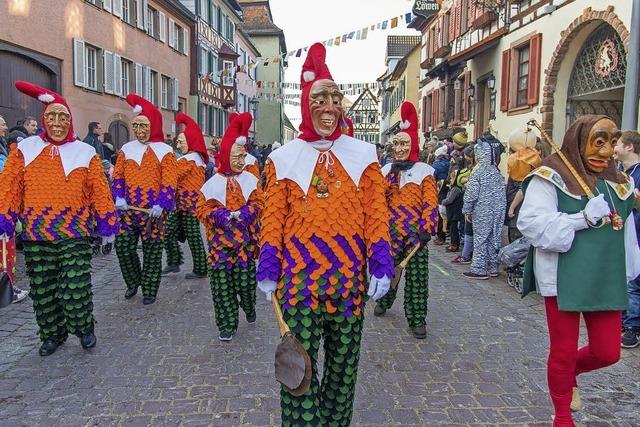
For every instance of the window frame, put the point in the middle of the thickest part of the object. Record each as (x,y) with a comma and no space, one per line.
(153,87)
(165,87)
(95,52)
(522,93)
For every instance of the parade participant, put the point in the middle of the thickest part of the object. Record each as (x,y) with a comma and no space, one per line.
(412,198)
(182,221)
(325,217)
(54,184)
(484,206)
(579,260)
(144,178)
(229,206)
(347,126)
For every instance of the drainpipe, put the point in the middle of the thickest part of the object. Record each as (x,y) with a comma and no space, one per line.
(630,106)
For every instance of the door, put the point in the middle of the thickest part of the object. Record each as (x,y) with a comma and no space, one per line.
(119,132)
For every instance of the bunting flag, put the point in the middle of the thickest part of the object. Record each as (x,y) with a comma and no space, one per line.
(361,34)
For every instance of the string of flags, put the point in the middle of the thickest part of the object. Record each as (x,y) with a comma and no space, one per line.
(356,34)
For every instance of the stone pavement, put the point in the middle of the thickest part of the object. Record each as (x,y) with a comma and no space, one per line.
(483,363)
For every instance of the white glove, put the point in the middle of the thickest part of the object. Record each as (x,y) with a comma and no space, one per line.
(121,204)
(596,209)
(443,211)
(378,287)
(268,287)
(4,237)
(155,211)
(235,215)
(108,239)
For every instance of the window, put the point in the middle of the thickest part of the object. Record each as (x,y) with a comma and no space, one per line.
(151,19)
(126,11)
(522,76)
(164,92)
(228,74)
(153,87)
(125,72)
(91,61)
(219,20)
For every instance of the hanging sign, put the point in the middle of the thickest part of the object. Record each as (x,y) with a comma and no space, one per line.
(426,8)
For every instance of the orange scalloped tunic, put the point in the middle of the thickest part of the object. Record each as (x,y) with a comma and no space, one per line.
(53,206)
(413,210)
(231,242)
(152,182)
(253,169)
(317,248)
(190,181)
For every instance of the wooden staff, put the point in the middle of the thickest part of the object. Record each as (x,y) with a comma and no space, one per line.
(403,264)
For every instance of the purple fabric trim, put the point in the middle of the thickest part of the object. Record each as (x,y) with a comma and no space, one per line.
(269,264)
(221,218)
(166,198)
(8,223)
(380,260)
(118,189)
(433,217)
(103,226)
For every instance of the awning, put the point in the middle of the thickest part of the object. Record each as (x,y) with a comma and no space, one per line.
(483,45)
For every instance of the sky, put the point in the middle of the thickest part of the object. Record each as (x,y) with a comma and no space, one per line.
(358,61)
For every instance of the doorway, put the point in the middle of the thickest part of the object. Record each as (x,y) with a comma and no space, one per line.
(119,131)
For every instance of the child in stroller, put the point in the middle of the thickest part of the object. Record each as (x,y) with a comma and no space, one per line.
(513,257)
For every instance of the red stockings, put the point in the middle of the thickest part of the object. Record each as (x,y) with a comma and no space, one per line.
(566,361)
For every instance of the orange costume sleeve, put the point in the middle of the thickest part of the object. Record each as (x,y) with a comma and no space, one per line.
(119,186)
(11,192)
(104,211)
(273,216)
(429,205)
(168,182)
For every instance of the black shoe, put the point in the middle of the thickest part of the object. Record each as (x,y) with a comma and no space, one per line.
(475,276)
(379,310)
(631,338)
(88,340)
(170,269)
(50,345)
(148,300)
(130,292)
(194,276)
(251,318)
(419,332)
(225,336)
(106,249)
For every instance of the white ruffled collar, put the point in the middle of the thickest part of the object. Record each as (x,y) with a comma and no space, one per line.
(216,186)
(73,155)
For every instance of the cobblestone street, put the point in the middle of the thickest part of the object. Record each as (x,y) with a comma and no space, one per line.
(483,363)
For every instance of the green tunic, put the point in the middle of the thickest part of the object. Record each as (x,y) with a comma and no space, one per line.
(592,274)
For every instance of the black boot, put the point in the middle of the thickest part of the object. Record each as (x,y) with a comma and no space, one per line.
(170,269)
(88,340)
(194,275)
(50,345)
(148,300)
(130,292)
(379,310)
(419,332)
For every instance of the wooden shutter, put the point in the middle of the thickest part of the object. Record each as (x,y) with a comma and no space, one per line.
(172,33)
(535,51)
(465,96)
(471,17)
(139,88)
(185,41)
(504,80)
(162,23)
(79,67)
(424,113)
(117,8)
(108,72)
(140,14)
(117,74)
(175,94)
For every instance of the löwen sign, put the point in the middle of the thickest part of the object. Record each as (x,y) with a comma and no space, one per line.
(426,8)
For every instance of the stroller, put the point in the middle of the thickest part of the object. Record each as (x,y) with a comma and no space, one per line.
(513,257)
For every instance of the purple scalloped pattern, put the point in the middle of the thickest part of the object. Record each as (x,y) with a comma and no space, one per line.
(269,264)
(166,198)
(118,188)
(380,260)
(8,223)
(107,225)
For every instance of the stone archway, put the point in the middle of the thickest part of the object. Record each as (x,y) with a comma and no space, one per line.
(588,16)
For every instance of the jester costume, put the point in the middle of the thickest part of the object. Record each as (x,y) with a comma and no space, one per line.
(252,165)
(412,198)
(325,219)
(584,250)
(55,185)
(229,206)
(144,182)
(182,221)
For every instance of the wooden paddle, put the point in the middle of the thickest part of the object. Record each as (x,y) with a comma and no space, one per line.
(293,365)
(403,264)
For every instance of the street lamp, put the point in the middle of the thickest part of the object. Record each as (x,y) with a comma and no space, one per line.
(491,83)
(471,91)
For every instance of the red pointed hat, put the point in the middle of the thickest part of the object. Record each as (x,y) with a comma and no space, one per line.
(347,126)
(47,97)
(313,69)
(409,125)
(237,133)
(147,109)
(193,133)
